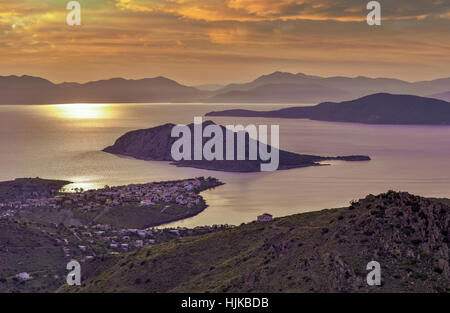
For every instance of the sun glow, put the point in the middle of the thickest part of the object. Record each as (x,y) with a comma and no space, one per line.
(82,110)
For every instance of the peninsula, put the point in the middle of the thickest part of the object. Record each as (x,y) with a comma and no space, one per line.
(134,205)
(381,108)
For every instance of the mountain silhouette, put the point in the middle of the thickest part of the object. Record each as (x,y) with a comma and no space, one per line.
(278,87)
(381,108)
(34,90)
(282,87)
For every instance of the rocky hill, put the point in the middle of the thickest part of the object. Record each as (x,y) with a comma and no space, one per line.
(26,188)
(155,144)
(325,251)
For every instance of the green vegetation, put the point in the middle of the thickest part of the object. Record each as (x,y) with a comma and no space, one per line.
(134,216)
(27,248)
(43,250)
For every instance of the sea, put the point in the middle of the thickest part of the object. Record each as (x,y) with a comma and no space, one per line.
(65,142)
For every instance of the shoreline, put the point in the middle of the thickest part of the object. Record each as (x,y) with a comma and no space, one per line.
(138,206)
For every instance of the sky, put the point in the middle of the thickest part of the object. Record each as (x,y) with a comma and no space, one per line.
(222,41)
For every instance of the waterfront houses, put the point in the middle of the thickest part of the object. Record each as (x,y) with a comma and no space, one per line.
(182,193)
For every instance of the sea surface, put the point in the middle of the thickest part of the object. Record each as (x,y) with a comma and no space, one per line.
(65,142)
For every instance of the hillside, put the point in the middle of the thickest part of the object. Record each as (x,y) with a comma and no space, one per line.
(379,108)
(43,250)
(25,247)
(155,144)
(25,188)
(325,251)
(442,96)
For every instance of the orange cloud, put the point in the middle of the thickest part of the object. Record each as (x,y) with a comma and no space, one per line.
(261,10)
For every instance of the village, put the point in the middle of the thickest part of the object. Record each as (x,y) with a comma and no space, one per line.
(183,193)
(88,239)
(85,243)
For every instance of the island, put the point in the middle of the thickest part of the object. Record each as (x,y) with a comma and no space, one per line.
(380,108)
(154,144)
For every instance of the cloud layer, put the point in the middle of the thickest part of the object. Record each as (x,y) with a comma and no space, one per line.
(199,41)
(259,10)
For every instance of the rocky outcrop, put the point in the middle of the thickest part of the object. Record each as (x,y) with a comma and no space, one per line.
(155,144)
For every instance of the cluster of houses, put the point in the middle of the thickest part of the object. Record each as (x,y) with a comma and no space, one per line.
(183,193)
(6,213)
(90,241)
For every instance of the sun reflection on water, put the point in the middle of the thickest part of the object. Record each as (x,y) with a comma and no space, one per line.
(82,110)
(82,186)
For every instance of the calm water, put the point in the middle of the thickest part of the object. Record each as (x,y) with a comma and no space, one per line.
(65,142)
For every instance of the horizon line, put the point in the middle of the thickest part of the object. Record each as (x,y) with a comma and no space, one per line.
(55,82)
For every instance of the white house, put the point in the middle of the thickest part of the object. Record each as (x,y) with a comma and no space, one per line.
(266,217)
(24,276)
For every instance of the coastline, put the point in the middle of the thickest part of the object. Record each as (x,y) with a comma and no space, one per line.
(134,206)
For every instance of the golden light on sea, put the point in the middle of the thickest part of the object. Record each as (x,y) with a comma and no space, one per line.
(82,110)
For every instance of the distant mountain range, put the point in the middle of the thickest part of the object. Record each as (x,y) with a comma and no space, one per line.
(209,87)
(34,90)
(281,87)
(381,108)
(278,87)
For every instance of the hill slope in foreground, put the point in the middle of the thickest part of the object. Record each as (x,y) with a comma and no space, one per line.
(381,108)
(324,251)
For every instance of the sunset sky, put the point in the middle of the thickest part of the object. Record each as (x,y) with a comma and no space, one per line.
(222,41)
